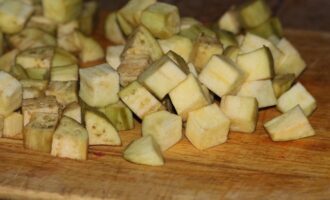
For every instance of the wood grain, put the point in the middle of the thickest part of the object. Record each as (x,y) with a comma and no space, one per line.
(248,166)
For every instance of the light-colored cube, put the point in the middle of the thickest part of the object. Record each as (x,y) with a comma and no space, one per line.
(40,57)
(257,64)
(291,61)
(139,99)
(252,42)
(187,22)
(253,13)
(145,151)
(188,96)
(291,125)
(133,9)
(13,15)
(142,42)
(221,76)
(178,44)
(164,127)
(204,48)
(131,67)
(229,21)
(262,90)
(113,55)
(64,91)
(39,105)
(90,49)
(162,76)
(100,130)
(207,127)
(297,95)
(99,85)
(11,94)
(162,19)
(140,51)
(62,11)
(67,36)
(38,134)
(242,112)
(13,126)
(70,140)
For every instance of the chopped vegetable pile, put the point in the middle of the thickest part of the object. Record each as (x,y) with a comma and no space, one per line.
(168,71)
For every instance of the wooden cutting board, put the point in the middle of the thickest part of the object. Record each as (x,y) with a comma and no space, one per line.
(248,166)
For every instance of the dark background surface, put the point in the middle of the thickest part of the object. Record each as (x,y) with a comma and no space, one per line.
(297,14)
